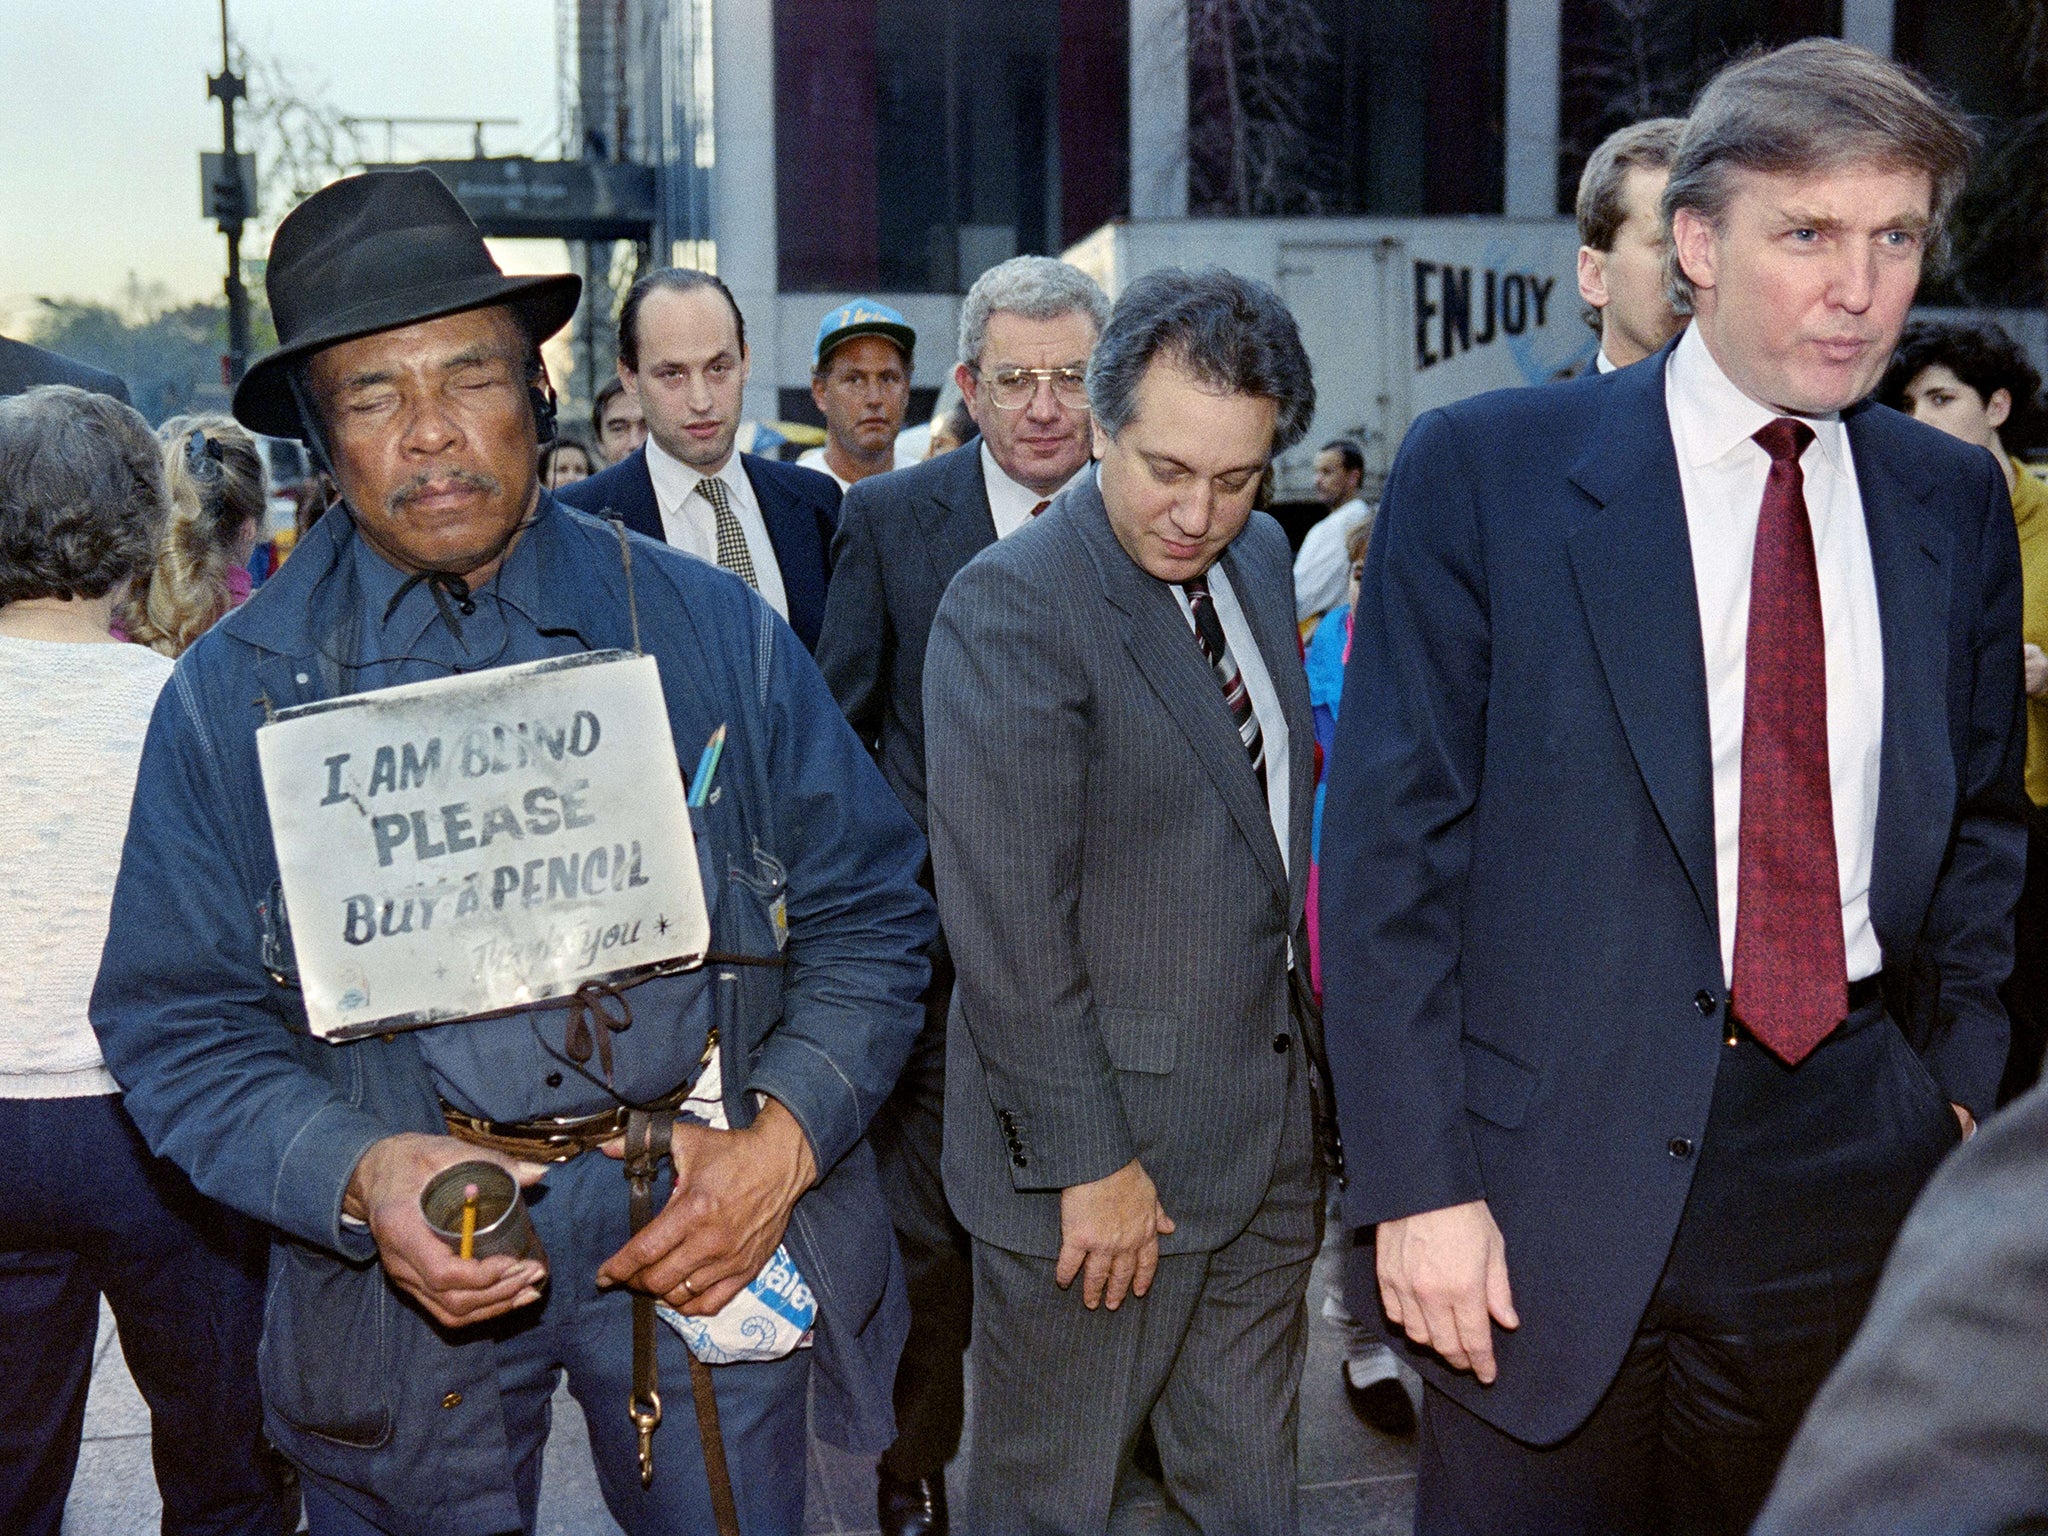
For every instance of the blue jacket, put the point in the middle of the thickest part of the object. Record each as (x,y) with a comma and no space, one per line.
(1524,990)
(800,507)
(223,1078)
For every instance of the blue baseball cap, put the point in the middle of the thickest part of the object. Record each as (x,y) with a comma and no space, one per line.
(863,317)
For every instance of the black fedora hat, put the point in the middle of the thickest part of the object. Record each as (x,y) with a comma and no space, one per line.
(372,253)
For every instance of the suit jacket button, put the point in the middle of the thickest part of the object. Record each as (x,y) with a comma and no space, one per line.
(1280,1043)
(1705,1002)
(1017,1158)
(1679,1146)
(452,1400)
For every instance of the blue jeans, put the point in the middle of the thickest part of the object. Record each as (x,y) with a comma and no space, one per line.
(86,1209)
(580,1212)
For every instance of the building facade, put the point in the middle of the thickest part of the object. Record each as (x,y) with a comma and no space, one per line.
(812,150)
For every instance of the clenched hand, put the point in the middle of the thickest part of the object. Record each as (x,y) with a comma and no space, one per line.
(733,1195)
(385,1192)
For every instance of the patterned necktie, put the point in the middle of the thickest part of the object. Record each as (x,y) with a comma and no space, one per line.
(1041,506)
(732,539)
(1791,972)
(1209,635)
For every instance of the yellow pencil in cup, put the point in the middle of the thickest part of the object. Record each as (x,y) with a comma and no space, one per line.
(468,1250)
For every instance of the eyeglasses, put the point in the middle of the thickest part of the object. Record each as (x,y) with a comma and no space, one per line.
(1014,388)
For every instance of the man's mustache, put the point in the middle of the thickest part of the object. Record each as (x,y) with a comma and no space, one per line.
(436,481)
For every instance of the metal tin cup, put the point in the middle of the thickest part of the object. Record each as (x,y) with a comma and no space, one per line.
(502,1223)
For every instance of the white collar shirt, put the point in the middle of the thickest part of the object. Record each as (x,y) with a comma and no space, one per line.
(1721,472)
(1258,683)
(814,458)
(1602,362)
(1009,503)
(689,523)
(1322,569)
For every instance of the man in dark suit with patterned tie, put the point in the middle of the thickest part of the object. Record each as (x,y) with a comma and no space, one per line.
(1675,808)
(1120,776)
(1027,327)
(683,355)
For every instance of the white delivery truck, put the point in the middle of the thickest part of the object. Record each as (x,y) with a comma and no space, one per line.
(1399,315)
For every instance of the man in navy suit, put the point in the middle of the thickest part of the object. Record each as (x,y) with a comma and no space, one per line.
(683,355)
(1675,810)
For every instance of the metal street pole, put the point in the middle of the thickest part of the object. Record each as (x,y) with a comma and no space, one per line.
(230,88)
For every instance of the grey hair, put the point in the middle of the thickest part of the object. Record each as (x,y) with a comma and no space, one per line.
(1813,106)
(81,494)
(1035,287)
(1233,333)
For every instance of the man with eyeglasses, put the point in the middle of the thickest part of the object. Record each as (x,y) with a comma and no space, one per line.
(1027,329)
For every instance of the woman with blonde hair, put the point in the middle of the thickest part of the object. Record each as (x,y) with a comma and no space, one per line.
(214,475)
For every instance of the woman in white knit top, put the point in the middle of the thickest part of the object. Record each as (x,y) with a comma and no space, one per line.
(86,1209)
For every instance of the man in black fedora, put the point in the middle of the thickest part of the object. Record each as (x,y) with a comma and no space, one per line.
(412,1386)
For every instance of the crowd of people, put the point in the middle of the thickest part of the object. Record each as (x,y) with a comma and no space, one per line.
(1586,879)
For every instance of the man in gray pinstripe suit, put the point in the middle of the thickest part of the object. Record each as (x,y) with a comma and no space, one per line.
(1119,757)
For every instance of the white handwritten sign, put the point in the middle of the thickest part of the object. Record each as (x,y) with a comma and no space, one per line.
(472,843)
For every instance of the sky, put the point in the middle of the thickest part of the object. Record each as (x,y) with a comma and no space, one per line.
(105,112)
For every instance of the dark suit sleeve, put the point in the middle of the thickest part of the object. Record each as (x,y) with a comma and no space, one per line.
(855,640)
(1968,932)
(1933,1423)
(1006,744)
(1404,776)
(859,922)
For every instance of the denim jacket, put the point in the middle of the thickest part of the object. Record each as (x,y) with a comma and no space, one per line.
(224,1079)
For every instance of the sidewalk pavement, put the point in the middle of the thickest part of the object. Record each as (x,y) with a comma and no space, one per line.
(1354,1482)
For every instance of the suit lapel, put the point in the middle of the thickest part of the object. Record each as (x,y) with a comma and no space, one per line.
(1163,646)
(638,504)
(1909,555)
(956,521)
(1632,561)
(799,547)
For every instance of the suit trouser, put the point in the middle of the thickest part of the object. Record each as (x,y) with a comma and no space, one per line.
(2025,993)
(1212,1354)
(1805,1176)
(930,1394)
(86,1209)
(587,1334)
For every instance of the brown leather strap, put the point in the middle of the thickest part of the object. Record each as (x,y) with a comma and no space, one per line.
(647,1142)
(722,1506)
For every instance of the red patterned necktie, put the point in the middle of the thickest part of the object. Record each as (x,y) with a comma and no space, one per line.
(1791,973)
(1216,650)
(1041,506)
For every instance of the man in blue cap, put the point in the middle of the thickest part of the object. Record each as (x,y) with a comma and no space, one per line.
(861,381)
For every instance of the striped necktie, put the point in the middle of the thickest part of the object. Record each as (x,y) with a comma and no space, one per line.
(732,539)
(1209,635)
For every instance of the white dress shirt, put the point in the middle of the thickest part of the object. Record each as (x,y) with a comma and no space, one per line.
(689,523)
(1258,682)
(1321,570)
(1010,503)
(1722,473)
(1602,363)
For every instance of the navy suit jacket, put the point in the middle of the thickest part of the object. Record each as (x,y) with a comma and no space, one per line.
(800,507)
(902,539)
(1521,947)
